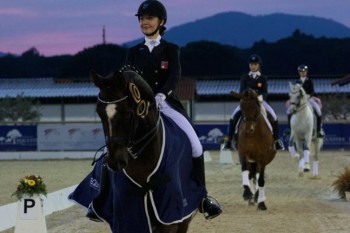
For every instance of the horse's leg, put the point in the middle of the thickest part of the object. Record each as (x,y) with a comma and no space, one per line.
(316,145)
(306,153)
(253,179)
(247,193)
(261,183)
(301,158)
(158,227)
(183,227)
(291,148)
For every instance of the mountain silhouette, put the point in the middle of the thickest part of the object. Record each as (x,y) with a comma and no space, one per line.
(243,30)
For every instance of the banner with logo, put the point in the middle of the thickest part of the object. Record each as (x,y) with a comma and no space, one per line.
(18,138)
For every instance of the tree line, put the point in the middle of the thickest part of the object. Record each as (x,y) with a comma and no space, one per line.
(324,56)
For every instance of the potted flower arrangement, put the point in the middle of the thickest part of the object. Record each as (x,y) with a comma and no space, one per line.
(29,186)
(342,183)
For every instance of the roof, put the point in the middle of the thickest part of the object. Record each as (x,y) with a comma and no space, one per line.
(45,88)
(187,88)
(276,87)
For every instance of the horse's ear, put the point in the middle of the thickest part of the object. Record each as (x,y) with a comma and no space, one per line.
(95,78)
(236,95)
(290,85)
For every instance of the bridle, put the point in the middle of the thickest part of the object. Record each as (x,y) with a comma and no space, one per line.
(134,146)
(254,118)
(298,104)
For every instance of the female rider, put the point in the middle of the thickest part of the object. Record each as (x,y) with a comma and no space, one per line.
(159,63)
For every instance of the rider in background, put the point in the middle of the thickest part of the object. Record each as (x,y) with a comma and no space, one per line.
(308,86)
(258,82)
(159,63)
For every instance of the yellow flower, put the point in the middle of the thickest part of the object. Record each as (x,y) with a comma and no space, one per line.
(31,183)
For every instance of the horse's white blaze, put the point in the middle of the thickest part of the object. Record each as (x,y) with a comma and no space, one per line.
(111,110)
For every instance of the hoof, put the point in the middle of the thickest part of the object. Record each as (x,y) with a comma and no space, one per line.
(247,194)
(306,167)
(261,206)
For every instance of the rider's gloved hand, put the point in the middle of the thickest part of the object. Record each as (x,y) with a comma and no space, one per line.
(160,99)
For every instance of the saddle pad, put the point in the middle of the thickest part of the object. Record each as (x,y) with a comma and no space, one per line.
(175,199)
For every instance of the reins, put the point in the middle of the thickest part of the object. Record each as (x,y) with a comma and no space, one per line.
(253,118)
(299,106)
(132,145)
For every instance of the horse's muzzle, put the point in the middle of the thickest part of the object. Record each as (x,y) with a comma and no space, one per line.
(116,164)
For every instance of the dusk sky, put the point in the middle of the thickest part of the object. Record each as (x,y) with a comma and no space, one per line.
(58,27)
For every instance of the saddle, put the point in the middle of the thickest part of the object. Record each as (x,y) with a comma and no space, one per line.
(264,113)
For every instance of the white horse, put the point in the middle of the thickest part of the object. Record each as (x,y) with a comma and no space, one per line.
(302,130)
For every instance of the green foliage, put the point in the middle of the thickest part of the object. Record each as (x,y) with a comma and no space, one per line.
(206,58)
(18,109)
(30,185)
(327,56)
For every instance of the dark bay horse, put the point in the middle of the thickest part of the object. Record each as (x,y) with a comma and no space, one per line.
(152,187)
(255,146)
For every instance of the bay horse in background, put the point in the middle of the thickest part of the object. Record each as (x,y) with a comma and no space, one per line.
(256,147)
(152,186)
(303,131)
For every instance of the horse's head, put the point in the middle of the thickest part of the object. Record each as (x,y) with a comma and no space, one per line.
(297,96)
(250,108)
(127,109)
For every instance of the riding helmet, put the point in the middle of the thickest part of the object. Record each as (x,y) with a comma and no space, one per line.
(302,68)
(255,58)
(152,8)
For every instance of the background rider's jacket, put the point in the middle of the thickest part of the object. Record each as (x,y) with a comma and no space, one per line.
(308,86)
(259,84)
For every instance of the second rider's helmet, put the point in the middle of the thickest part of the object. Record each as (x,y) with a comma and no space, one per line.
(302,68)
(255,58)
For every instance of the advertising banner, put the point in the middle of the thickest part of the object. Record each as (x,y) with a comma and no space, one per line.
(336,135)
(18,138)
(75,137)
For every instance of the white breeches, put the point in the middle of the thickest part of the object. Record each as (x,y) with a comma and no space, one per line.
(270,110)
(264,104)
(184,124)
(315,106)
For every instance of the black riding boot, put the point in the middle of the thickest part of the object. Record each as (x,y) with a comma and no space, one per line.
(278,142)
(320,134)
(104,191)
(232,137)
(210,209)
(228,143)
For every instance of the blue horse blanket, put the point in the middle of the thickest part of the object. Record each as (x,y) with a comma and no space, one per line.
(126,208)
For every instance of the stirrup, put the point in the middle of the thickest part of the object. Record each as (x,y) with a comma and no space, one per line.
(227,145)
(210,208)
(279,145)
(320,134)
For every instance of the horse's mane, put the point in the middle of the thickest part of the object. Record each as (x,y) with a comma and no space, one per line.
(132,75)
(296,88)
(249,96)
